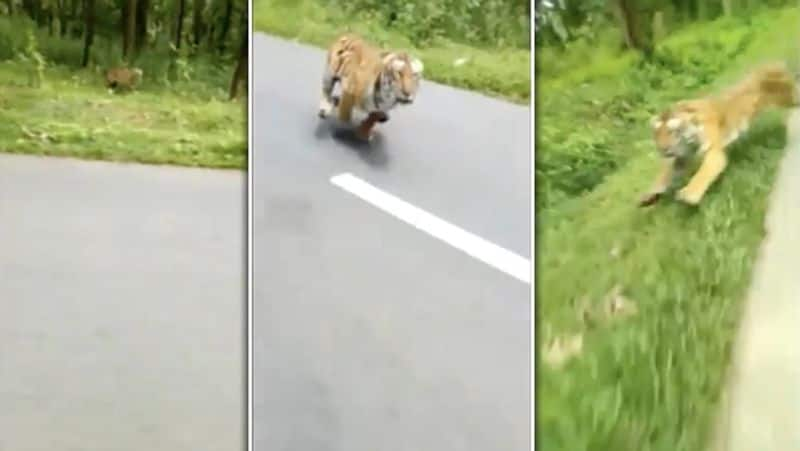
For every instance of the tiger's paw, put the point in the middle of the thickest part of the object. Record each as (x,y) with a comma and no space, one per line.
(325,109)
(688,196)
(364,134)
(649,199)
(380,116)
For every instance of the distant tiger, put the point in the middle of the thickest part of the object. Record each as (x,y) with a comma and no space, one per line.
(122,78)
(371,82)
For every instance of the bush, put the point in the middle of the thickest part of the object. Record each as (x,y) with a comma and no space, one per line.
(495,23)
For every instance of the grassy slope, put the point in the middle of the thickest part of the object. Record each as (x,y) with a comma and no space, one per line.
(499,72)
(649,381)
(73,115)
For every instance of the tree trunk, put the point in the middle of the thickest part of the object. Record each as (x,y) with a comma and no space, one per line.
(123,26)
(631,30)
(627,24)
(27,6)
(63,20)
(727,7)
(37,12)
(129,39)
(702,10)
(142,8)
(658,26)
(226,25)
(179,33)
(88,10)
(240,73)
(197,21)
(212,29)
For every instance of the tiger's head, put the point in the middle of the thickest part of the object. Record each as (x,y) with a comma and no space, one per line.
(402,73)
(676,133)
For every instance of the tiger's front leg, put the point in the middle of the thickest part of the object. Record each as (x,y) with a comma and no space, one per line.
(365,129)
(349,112)
(713,165)
(326,103)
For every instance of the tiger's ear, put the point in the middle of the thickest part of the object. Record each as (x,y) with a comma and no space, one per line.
(398,64)
(416,67)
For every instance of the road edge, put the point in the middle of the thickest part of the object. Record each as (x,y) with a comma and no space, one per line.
(760,403)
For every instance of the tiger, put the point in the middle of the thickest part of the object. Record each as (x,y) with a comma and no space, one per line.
(122,77)
(708,125)
(371,82)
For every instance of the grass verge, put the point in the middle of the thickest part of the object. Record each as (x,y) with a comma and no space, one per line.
(499,72)
(73,115)
(647,301)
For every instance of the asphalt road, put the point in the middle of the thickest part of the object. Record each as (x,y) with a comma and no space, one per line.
(121,307)
(370,334)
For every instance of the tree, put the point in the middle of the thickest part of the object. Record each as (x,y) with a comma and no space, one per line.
(88,8)
(179,32)
(198,25)
(128,28)
(629,24)
(63,17)
(240,73)
(142,7)
(226,24)
(727,7)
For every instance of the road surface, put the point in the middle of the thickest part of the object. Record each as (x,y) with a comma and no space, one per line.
(371,331)
(121,307)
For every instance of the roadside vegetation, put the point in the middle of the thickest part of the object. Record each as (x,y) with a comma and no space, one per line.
(481,45)
(637,308)
(188,109)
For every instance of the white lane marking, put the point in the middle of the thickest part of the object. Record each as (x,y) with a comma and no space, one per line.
(473,245)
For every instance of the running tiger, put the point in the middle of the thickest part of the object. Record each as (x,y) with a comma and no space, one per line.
(122,77)
(371,82)
(712,123)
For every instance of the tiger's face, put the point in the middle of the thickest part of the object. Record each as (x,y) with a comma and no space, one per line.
(402,74)
(675,136)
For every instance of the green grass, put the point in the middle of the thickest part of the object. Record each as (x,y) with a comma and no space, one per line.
(649,379)
(499,72)
(73,115)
